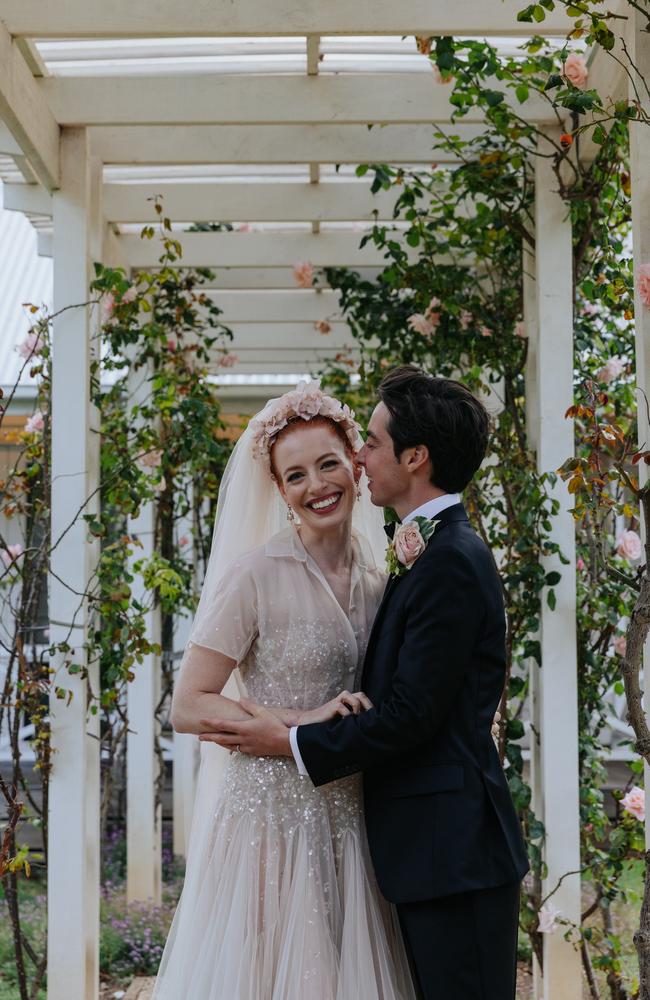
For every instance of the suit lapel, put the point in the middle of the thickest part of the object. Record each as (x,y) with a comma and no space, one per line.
(374,632)
(455,513)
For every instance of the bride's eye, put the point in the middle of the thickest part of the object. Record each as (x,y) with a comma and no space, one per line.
(294,477)
(329,463)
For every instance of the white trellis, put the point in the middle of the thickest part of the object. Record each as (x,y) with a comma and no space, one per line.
(93,122)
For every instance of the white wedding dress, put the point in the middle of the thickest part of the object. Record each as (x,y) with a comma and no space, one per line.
(280,901)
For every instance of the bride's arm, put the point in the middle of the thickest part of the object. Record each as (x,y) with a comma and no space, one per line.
(197,692)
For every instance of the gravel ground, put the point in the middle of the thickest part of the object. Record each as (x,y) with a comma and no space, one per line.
(140,989)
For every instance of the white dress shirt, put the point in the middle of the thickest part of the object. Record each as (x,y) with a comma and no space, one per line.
(430,509)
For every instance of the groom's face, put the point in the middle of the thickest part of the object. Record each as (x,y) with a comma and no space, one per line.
(387,477)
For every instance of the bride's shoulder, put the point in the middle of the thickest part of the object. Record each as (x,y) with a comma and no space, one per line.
(262,558)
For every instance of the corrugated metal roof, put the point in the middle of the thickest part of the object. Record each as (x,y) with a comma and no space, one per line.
(24,277)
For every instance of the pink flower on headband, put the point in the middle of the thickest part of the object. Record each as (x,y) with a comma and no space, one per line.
(304,402)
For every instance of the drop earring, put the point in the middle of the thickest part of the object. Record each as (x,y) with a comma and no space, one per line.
(291,517)
(358,491)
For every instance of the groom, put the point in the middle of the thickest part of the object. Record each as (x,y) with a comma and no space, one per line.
(443,834)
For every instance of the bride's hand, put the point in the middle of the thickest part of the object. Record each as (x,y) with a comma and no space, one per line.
(345,703)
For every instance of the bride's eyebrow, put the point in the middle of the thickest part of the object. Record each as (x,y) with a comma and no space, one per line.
(292,468)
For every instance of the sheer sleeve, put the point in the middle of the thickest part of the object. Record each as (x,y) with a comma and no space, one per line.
(227,618)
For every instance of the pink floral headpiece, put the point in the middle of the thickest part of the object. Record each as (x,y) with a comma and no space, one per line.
(304,402)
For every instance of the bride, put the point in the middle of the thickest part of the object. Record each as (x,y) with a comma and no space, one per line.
(280,900)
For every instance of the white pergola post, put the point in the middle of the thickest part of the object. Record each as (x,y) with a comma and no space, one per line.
(531,321)
(143,813)
(73,835)
(186,745)
(557,691)
(639,48)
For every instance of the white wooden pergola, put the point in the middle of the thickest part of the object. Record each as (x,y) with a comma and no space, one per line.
(256,113)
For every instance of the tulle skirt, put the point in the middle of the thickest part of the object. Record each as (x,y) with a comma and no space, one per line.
(280,900)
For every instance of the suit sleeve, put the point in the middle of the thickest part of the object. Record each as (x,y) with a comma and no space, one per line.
(444,613)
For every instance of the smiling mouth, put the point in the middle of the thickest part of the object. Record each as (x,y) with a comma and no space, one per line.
(325,504)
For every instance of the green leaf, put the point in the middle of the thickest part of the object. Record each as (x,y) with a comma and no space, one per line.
(539,13)
(527,13)
(554,80)
(599,135)
(553,578)
(493,97)
(551,600)
(522,93)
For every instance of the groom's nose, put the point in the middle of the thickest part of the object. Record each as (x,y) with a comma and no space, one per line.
(360,457)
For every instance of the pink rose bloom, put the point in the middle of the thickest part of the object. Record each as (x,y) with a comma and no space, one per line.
(11,553)
(151,460)
(628,545)
(643,283)
(245,227)
(303,273)
(590,309)
(183,541)
(171,344)
(576,71)
(420,324)
(228,360)
(547,917)
(612,368)
(580,565)
(322,326)
(520,330)
(130,295)
(108,308)
(35,424)
(408,543)
(432,313)
(485,331)
(620,645)
(465,318)
(634,803)
(30,346)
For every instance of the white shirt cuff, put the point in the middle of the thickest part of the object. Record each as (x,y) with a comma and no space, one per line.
(293,740)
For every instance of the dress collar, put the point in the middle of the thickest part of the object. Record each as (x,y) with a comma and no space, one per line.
(287,544)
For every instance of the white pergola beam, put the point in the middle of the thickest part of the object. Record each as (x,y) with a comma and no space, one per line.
(199,18)
(293,335)
(255,99)
(297,306)
(29,198)
(279,249)
(235,144)
(26,114)
(282,360)
(207,201)
(264,278)
(250,202)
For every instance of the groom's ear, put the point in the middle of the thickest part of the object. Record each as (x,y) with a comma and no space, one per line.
(417,457)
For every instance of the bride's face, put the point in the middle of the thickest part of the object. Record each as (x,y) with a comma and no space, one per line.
(316,475)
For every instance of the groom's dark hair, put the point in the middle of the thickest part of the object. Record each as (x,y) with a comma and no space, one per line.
(440,414)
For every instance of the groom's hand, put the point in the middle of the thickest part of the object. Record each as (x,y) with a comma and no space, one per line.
(263,735)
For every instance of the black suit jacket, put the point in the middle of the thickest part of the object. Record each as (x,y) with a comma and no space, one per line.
(439,815)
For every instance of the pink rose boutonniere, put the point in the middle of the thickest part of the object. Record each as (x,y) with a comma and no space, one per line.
(408,544)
